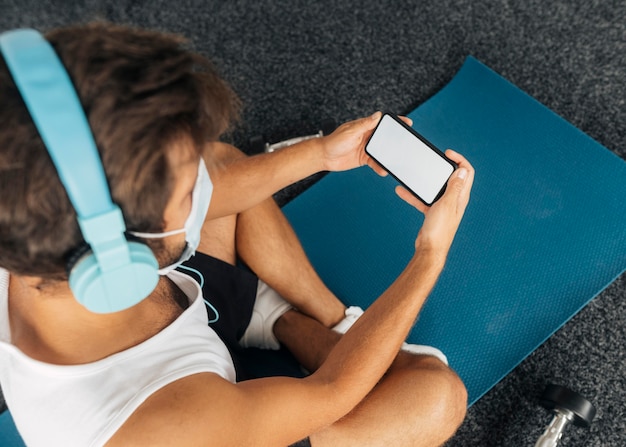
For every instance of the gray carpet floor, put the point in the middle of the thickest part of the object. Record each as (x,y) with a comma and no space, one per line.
(296,63)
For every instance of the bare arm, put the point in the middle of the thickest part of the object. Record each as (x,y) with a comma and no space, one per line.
(246,182)
(204,409)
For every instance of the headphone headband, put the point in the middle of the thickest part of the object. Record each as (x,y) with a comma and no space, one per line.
(55,108)
(57,112)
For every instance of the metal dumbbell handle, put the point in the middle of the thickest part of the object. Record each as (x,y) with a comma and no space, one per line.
(554,431)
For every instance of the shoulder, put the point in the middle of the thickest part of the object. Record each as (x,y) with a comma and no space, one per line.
(219,152)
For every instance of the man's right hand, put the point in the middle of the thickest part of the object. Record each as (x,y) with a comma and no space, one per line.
(442,219)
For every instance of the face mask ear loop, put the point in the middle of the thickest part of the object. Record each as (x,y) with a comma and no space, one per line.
(201,282)
(217,314)
(156,235)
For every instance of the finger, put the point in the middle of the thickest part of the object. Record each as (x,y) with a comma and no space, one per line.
(365,126)
(371,121)
(359,125)
(459,159)
(462,162)
(378,169)
(406,119)
(458,189)
(410,199)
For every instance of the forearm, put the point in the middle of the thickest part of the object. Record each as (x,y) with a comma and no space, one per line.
(247,181)
(366,351)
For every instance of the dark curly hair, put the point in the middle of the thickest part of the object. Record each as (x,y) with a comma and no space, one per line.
(141,91)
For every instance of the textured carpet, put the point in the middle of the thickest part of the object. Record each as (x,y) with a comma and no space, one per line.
(296,63)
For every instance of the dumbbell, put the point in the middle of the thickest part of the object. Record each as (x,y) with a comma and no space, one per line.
(568,407)
(259,144)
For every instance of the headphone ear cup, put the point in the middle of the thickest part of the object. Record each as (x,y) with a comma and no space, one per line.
(76,255)
(116,289)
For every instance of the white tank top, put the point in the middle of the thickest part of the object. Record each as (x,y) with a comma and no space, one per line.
(84,405)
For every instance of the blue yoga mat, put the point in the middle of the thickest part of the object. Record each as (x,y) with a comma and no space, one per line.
(9,437)
(544,233)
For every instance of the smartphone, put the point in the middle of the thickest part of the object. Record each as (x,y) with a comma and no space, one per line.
(410,158)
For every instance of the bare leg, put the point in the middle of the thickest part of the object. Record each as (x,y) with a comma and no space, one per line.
(218,235)
(268,244)
(265,241)
(218,239)
(419,401)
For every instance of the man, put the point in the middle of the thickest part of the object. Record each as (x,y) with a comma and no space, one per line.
(154,373)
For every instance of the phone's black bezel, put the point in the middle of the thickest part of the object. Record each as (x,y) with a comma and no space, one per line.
(423,140)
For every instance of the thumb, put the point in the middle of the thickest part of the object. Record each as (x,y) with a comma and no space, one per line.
(459,176)
(457,186)
(371,121)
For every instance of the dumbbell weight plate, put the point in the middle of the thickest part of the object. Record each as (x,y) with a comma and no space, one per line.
(556,396)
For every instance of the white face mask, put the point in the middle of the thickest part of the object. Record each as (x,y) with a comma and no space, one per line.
(200,200)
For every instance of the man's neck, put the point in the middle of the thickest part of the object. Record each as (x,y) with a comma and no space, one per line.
(49,325)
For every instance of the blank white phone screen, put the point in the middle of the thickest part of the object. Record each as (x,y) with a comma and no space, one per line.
(413,162)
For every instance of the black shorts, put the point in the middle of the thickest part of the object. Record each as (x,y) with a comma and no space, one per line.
(232,291)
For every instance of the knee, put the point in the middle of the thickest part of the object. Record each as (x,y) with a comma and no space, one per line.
(452,403)
(446,397)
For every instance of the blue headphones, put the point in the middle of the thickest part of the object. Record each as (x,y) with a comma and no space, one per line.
(114,274)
